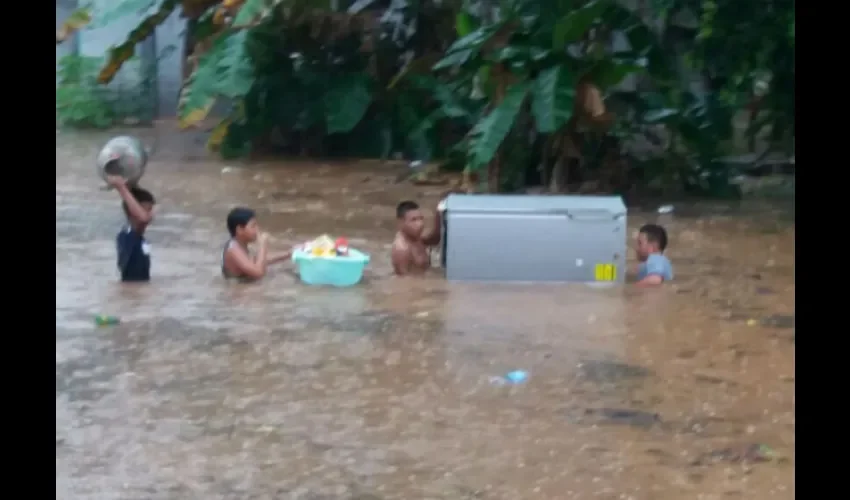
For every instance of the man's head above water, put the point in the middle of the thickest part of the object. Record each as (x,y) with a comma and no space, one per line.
(651,239)
(411,222)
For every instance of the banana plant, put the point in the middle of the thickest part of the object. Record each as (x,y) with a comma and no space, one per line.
(77,20)
(315,74)
(152,12)
(748,51)
(546,59)
(236,61)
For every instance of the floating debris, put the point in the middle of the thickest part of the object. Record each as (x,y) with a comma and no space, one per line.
(513,377)
(103,320)
(779,321)
(517,376)
(614,416)
(750,453)
(600,371)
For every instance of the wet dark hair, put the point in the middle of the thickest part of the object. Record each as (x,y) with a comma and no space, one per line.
(655,234)
(404,207)
(239,217)
(141,196)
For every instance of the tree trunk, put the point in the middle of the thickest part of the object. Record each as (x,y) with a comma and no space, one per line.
(558,183)
(493,173)
(494,167)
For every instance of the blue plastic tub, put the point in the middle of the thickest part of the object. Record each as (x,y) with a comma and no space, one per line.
(335,271)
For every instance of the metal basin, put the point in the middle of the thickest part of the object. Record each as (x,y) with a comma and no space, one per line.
(124,156)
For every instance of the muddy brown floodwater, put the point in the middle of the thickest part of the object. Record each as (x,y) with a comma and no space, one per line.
(209,390)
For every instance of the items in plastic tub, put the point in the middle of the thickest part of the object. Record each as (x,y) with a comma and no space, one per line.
(337,271)
(324,246)
(325,261)
(341,246)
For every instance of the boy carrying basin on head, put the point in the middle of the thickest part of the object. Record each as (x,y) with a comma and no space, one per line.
(236,260)
(134,259)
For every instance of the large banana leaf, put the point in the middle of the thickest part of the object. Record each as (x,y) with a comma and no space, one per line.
(464,49)
(110,12)
(223,71)
(346,102)
(218,134)
(660,115)
(119,54)
(193,9)
(643,42)
(574,25)
(76,21)
(490,131)
(446,95)
(464,24)
(246,13)
(554,93)
(611,71)
(250,10)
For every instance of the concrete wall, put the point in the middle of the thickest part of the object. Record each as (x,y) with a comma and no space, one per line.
(63,10)
(163,51)
(171,39)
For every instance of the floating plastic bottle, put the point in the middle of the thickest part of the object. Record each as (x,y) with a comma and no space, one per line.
(512,377)
(665,215)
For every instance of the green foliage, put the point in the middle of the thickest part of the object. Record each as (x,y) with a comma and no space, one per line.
(82,103)
(300,79)
(528,45)
(488,134)
(554,92)
(464,80)
(119,54)
(79,101)
(346,102)
(76,21)
(107,12)
(573,25)
(751,58)
(223,71)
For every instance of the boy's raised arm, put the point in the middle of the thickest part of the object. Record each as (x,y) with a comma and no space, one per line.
(136,210)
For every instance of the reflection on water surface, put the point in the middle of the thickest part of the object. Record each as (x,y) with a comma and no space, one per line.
(210,390)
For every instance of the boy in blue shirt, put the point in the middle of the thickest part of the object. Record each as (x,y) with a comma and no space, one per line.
(655,268)
(134,259)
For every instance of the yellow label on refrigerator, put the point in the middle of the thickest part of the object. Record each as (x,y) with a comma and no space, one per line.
(605,272)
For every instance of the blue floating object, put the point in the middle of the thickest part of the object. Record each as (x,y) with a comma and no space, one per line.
(338,271)
(517,376)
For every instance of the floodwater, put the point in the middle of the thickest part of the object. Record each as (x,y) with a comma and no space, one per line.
(211,390)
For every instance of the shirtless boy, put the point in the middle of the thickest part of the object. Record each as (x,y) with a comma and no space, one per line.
(236,261)
(411,253)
